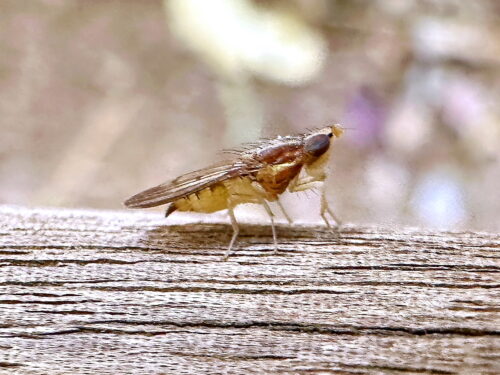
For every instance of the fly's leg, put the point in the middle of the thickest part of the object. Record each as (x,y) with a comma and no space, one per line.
(271,216)
(284,212)
(311,183)
(236,231)
(260,191)
(304,183)
(325,208)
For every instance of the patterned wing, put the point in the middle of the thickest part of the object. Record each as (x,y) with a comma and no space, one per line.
(191,183)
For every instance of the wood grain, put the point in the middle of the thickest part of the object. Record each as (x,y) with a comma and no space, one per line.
(91,292)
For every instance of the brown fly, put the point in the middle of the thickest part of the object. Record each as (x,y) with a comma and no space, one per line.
(256,174)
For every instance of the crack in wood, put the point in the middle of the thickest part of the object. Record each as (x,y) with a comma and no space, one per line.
(44,302)
(283,326)
(194,289)
(419,370)
(10,364)
(258,357)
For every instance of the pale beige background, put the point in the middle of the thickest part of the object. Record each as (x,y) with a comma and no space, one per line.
(99,99)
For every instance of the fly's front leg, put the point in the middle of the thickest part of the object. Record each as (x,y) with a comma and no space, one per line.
(305,183)
(311,182)
(326,208)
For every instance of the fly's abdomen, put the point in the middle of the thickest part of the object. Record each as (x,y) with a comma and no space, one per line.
(210,199)
(231,192)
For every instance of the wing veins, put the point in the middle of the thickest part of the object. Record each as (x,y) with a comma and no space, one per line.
(189,183)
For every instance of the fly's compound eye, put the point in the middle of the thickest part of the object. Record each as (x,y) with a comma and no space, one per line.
(317,145)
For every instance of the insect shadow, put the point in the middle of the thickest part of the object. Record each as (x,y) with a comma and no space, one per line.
(208,239)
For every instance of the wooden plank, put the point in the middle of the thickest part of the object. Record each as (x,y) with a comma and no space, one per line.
(120,292)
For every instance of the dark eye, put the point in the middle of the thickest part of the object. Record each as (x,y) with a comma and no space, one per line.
(317,145)
(330,135)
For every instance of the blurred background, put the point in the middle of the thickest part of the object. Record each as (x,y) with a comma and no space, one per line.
(100,99)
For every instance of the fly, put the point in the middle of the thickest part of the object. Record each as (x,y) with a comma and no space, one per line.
(258,174)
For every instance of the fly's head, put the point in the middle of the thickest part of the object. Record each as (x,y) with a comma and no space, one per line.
(317,143)
(317,147)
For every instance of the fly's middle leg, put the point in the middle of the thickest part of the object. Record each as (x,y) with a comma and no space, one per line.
(287,217)
(271,216)
(260,194)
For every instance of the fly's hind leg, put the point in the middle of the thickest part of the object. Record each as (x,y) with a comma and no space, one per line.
(236,231)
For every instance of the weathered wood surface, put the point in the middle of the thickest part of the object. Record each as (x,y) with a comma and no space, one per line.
(119,292)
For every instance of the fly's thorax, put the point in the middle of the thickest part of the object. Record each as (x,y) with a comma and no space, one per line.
(276,178)
(280,153)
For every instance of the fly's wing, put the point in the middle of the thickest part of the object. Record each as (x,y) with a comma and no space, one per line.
(191,183)
(285,151)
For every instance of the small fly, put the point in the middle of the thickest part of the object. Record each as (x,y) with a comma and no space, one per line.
(259,173)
